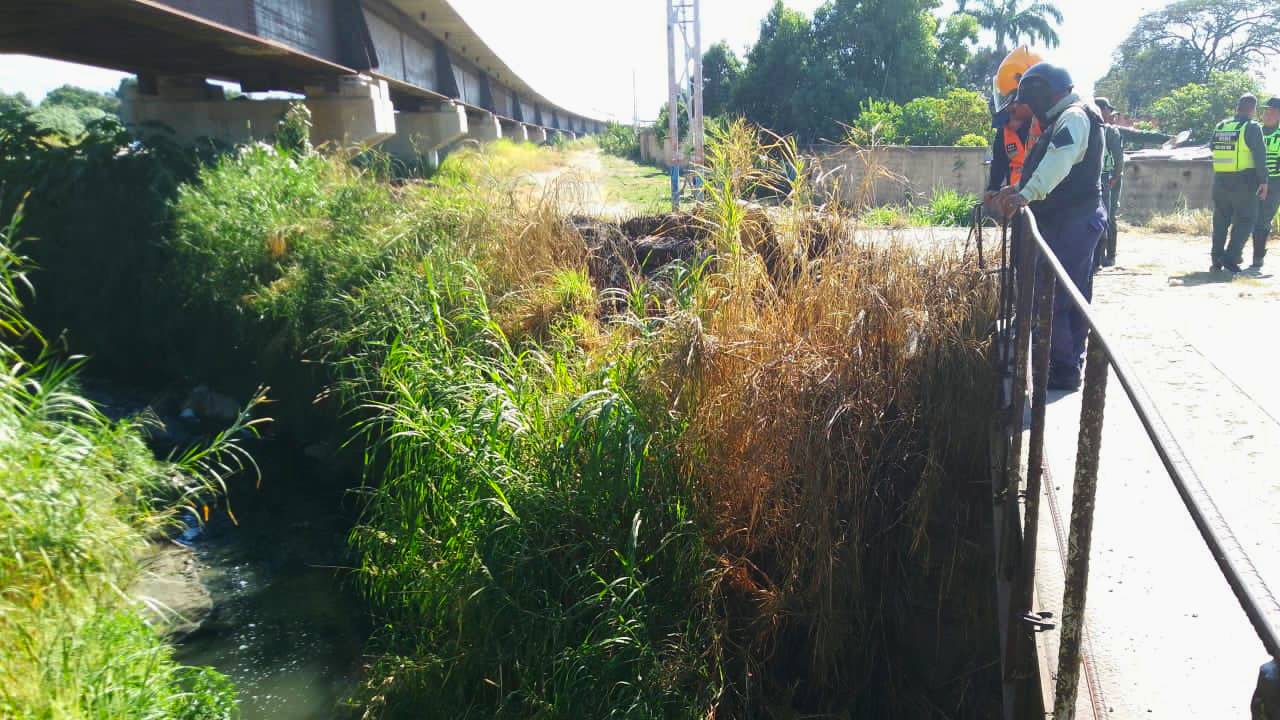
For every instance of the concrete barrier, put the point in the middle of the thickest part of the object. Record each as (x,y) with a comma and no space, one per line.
(1161,185)
(898,175)
(904,175)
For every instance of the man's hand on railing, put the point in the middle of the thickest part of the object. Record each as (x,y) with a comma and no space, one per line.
(1007,202)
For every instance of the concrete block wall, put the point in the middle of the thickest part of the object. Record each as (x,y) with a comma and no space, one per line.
(898,175)
(901,175)
(1161,185)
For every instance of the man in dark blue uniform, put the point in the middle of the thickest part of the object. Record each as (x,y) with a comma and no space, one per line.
(1061,184)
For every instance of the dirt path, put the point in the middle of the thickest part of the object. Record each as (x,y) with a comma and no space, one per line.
(578,185)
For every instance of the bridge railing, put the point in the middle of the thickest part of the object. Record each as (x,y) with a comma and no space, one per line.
(1030,278)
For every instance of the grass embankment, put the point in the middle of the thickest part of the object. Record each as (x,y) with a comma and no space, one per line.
(746,484)
(80,498)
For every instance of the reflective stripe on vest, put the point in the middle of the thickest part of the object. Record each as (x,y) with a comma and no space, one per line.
(1230,154)
(1017,150)
(1273,154)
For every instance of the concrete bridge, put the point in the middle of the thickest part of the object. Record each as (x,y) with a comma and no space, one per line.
(408,73)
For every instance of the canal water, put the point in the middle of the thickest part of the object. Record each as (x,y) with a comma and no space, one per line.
(287,626)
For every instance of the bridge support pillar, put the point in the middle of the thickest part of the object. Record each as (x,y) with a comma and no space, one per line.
(424,133)
(484,127)
(359,112)
(537,134)
(514,131)
(192,108)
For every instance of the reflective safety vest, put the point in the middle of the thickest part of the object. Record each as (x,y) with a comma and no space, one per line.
(1017,150)
(1273,154)
(1230,154)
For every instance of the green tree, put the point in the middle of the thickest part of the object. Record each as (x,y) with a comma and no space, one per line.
(1188,41)
(721,71)
(941,120)
(886,49)
(944,120)
(76,98)
(14,103)
(776,82)
(956,40)
(1012,21)
(1198,107)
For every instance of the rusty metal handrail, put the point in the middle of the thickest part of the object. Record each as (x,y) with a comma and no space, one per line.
(1233,562)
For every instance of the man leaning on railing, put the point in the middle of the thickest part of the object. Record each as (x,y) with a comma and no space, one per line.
(1061,185)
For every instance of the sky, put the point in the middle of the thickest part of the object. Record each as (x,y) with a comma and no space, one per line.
(614,41)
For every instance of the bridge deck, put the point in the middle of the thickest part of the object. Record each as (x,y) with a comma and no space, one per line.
(1166,637)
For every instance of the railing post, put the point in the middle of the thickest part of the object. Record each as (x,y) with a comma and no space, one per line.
(1024,260)
(1092,402)
(1024,583)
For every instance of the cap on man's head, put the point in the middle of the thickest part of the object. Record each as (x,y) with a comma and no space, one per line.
(1104,104)
(1248,100)
(1274,103)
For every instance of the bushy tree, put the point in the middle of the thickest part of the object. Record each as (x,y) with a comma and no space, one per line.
(774,86)
(1198,107)
(1187,42)
(721,71)
(943,120)
(78,98)
(14,103)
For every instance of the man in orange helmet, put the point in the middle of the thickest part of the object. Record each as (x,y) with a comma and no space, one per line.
(1016,128)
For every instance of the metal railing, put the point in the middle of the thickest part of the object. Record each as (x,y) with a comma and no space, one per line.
(1030,278)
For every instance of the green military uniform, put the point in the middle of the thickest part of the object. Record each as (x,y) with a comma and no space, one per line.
(1239,163)
(1112,183)
(1268,207)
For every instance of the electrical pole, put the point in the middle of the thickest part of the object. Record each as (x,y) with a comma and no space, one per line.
(684,78)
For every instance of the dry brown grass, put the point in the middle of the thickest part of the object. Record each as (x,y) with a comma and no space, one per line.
(837,397)
(1182,222)
(839,428)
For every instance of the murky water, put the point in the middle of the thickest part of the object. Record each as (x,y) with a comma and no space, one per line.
(287,626)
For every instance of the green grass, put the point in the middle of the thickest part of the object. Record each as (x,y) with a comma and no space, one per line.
(79,498)
(642,189)
(675,499)
(946,208)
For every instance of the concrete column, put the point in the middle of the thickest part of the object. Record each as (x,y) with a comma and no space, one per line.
(358,113)
(484,127)
(422,134)
(193,109)
(515,132)
(537,134)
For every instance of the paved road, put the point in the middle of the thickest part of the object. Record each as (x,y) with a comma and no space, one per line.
(1168,639)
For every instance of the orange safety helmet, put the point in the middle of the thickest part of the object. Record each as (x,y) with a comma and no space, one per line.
(1005,84)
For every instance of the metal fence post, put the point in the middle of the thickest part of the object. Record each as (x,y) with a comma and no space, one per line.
(1024,584)
(1080,538)
(1024,260)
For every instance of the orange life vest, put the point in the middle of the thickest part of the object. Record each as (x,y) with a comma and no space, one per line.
(1017,150)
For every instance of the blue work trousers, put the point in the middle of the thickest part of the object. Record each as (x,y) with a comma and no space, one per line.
(1073,236)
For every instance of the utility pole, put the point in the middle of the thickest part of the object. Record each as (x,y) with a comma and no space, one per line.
(684,77)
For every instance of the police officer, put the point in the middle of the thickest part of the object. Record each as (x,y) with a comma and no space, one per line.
(1061,184)
(1112,181)
(1268,207)
(1239,183)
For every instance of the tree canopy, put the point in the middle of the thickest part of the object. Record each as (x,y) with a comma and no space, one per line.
(1012,21)
(1188,42)
(1199,106)
(721,72)
(78,98)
